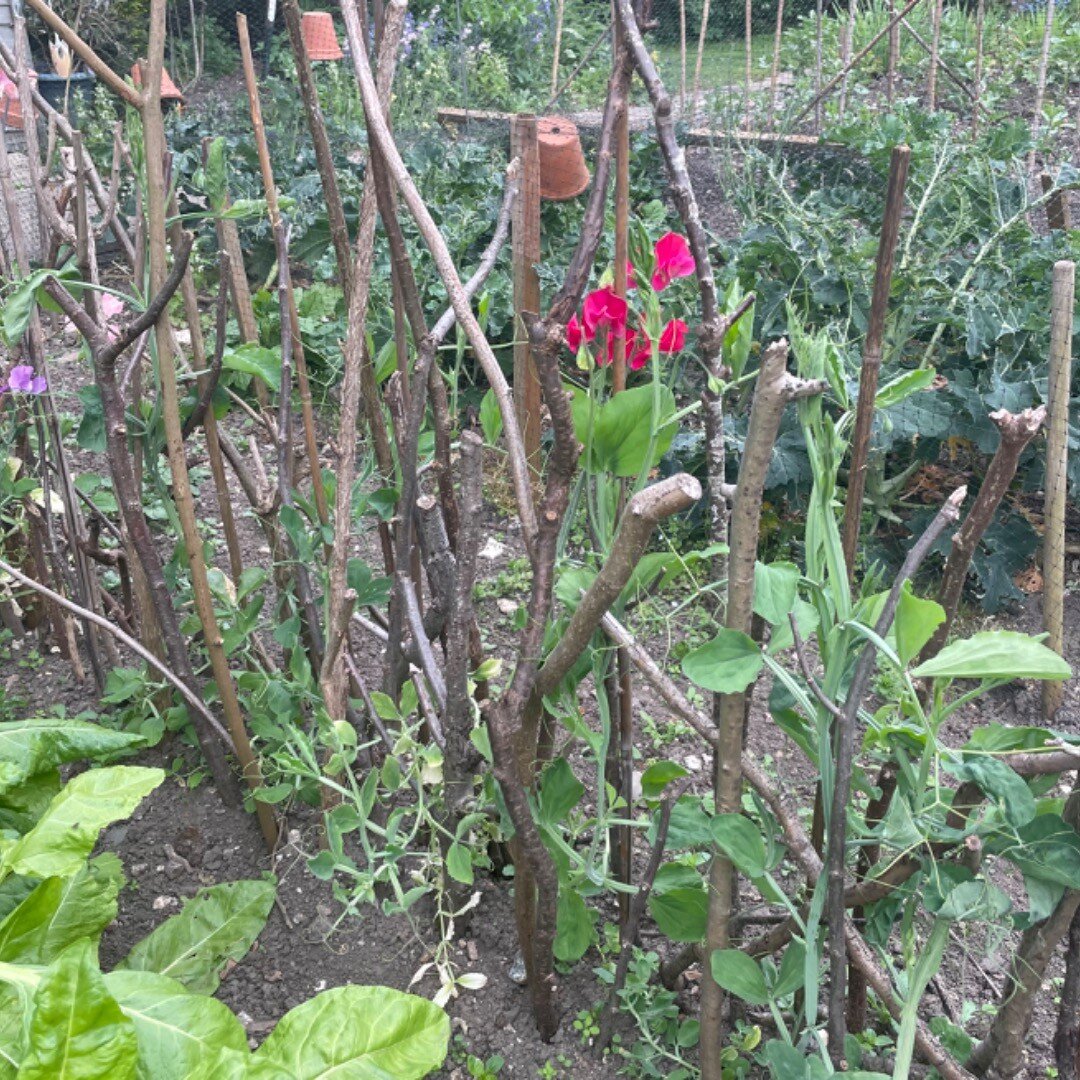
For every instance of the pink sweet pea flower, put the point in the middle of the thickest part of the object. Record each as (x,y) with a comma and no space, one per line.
(576,334)
(22,380)
(638,350)
(631,275)
(673,336)
(111,309)
(603,308)
(673,260)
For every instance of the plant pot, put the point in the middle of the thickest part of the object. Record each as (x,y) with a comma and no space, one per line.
(170,92)
(11,112)
(320,37)
(563,172)
(77,89)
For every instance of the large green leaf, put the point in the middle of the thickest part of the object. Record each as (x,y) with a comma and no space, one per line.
(573,927)
(257,360)
(24,804)
(916,621)
(618,441)
(681,913)
(60,911)
(726,665)
(216,925)
(741,841)
(995,654)
(1000,784)
(60,842)
(560,791)
(738,974)
(36,745)
(359,1032)
(180,1035)
(1048,848)
(775,588)
(77,1031)
(16,1003)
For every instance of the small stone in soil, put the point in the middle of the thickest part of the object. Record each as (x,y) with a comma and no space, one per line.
(162,902)
(693,762)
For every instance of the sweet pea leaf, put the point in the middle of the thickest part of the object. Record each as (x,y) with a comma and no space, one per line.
(1000,784)
(680,914)
(60,842)
(657,777)
(618,441)
(726,665)
(77,1031)
(916,621)
(218,924)
(740,840)
(491,423)
(560,791)
(1047,848)
(775,588)
(740,975)
(995,654)
(363,1032)
(573,927)
(179,1034)
(974,900)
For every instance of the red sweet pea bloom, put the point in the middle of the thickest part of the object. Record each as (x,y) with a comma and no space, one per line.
(603,308)
(638,350)
(576,334)
(673,260)
(673,336)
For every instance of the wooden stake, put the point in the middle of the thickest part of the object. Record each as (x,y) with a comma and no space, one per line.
(559,12)
(935,48)
(1040,82)
(1058,217)
(748,20)
(894,54)
(828,88)
(274,213)
(847,42)
(525,241)
(872,348)
(682,57)
(818,48)
(774,88)
(980,22)
(702,34)
(1057,461)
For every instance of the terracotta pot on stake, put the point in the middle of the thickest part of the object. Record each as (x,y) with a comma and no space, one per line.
(320,37)
(563,172)
(170,92)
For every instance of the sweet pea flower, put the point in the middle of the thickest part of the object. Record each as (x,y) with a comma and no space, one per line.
(111,309)
(576,334)
(673,336)
(22,380)
(638,350)
(673,260)
(603,308)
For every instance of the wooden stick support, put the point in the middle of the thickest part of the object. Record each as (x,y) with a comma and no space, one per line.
(1057,462)
(871,363)
(525,242)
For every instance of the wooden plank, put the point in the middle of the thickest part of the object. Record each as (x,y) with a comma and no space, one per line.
(525,239)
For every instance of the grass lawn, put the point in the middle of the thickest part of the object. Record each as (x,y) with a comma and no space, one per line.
(723,62)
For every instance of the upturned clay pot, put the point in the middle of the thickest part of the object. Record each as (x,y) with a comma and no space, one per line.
(169,90)
(320,38)
(563,172)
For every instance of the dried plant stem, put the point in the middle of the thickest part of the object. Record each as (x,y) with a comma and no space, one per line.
(935,49)
(776,387)
(872,352)
(1062,304)
(1017,430)
(774,84)
(311,444)
(156,150)
(836,855)
(436,244)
